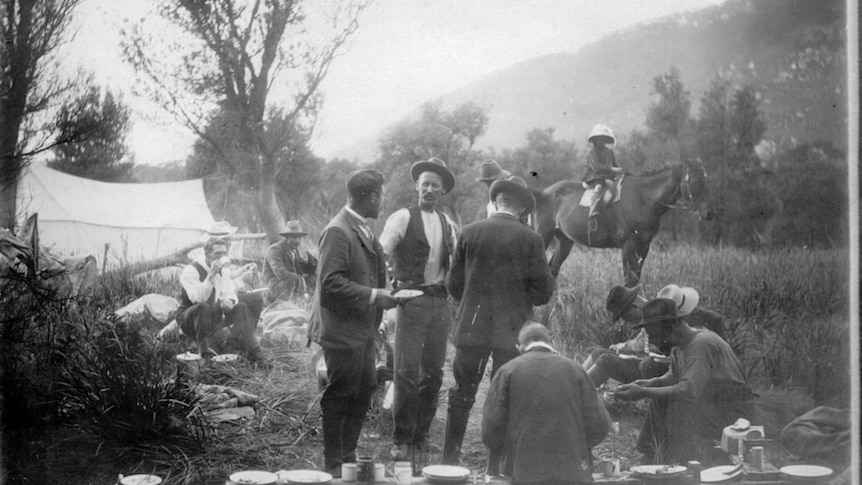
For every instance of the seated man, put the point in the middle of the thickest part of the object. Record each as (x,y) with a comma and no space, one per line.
(630,360)
(542,415)
(703,391)
(284,270)
(209,303)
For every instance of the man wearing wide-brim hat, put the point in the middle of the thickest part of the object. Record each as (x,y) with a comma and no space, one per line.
(418,242)
(704,390)
(498,274)
(489,172)
(285,268)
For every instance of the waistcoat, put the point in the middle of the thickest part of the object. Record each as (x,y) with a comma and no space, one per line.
(411,255)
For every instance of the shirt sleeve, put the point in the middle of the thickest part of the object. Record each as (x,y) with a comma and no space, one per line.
(394,230)
(198,291)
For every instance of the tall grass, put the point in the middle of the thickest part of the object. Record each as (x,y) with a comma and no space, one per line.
(786,311)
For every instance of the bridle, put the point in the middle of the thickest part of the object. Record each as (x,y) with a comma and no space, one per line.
(685,201)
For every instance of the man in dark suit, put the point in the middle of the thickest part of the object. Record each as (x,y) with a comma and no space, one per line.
(499,273)
(349,303)
(284,269)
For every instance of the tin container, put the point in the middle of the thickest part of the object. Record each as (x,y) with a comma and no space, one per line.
(348,472)
(365,470)
(403,472)
(757,458)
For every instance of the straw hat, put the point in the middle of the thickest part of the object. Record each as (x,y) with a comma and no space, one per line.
(221,229)
(686,298)
(294,228)
(516,186)
(437,166)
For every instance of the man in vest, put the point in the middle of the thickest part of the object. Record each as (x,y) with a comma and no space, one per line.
(418,243)
(209,303)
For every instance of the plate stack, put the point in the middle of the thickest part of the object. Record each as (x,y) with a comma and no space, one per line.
(658,472)
(446,473)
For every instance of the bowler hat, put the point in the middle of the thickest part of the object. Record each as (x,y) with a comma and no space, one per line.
(490,171)
(620,298)
(658,310)
(294,228)
(516,186)
(437,166)
(686,298)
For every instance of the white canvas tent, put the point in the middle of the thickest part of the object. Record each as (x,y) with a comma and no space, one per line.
(137,222)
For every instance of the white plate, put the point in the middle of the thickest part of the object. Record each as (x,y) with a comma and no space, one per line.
(445,473)
(141,480)
(628,357)
(225,358)
(254,477)
(188,357)
(806,471)
(305,477)
(718,474)
(404,295)
(658,471)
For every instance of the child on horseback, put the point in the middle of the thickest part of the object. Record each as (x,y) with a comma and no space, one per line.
(601,166)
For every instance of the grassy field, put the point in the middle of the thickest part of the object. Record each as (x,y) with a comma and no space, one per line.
(787,313)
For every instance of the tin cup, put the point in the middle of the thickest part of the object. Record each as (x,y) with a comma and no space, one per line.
(757,458)
(348,472)
(403,472)
(611,467)
(379,473)
(365,470)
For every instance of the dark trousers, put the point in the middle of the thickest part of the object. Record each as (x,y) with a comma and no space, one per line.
(346,399)
(202,321)
(421,332)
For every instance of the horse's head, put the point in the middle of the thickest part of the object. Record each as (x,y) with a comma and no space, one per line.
(695,190)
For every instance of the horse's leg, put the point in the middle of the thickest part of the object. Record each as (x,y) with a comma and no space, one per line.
(632,261)
(560,254)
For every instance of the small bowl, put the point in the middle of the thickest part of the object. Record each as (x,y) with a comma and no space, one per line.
(141,480)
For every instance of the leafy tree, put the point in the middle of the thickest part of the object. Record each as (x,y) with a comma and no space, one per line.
(713,131)
(668,118)
(449,136)
(98,124)
(228,59)
(543,160)
(746,125)
(31,31)
(166,172)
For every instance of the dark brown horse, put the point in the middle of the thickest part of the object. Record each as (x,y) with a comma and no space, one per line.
(629,224)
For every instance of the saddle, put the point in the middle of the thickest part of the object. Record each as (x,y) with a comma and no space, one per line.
(613,190)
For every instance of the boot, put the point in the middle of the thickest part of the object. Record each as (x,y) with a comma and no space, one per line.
(352,432)
(456,426)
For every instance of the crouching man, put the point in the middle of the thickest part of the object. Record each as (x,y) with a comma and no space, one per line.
(542,415)
(209,303)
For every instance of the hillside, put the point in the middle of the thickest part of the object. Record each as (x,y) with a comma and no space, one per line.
(792,51)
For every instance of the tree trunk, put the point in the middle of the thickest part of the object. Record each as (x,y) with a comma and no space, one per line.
(270,214)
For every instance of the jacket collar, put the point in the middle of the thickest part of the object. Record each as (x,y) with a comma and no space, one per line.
(354,220)
(504,215)
(539,346)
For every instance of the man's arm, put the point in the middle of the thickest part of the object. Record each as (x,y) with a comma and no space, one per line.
(495,415)
(597,421)
(338,292)
(455,278)
(540,283)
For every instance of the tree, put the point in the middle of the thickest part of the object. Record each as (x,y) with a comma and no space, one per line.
(746,125)
(98,124)
(668,118)
(543,160)
(713,131)
(229,55)
(449,136)
(31,31)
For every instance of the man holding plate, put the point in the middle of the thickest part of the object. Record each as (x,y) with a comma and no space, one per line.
(418,242)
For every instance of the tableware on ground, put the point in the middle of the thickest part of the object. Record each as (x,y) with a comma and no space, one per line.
(718,474)
(403,472)
(806,471)
(407,295)
(141,480)
(225,358)
(611,467)
(348,472)
(741,424)
(258,290)
(658,471)
(253,477)
(305,477)
(445,473)
(365,469)
(379,472)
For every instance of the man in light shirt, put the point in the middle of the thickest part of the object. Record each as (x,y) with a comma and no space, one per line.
(209,303)
(418,242)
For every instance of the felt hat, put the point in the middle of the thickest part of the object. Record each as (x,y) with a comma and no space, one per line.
(437,166)
(620,298)
(686,298)
(490,171)
(294,228)
(602,131)
(516,186)
(221,229)
(658,310)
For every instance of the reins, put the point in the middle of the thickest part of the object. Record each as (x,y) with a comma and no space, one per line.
(685,201)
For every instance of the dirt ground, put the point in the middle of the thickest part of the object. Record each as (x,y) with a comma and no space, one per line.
(283,434)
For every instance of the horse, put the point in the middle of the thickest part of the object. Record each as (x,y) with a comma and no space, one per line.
(628,224)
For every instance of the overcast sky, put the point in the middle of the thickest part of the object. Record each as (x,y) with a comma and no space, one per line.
(405,53)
